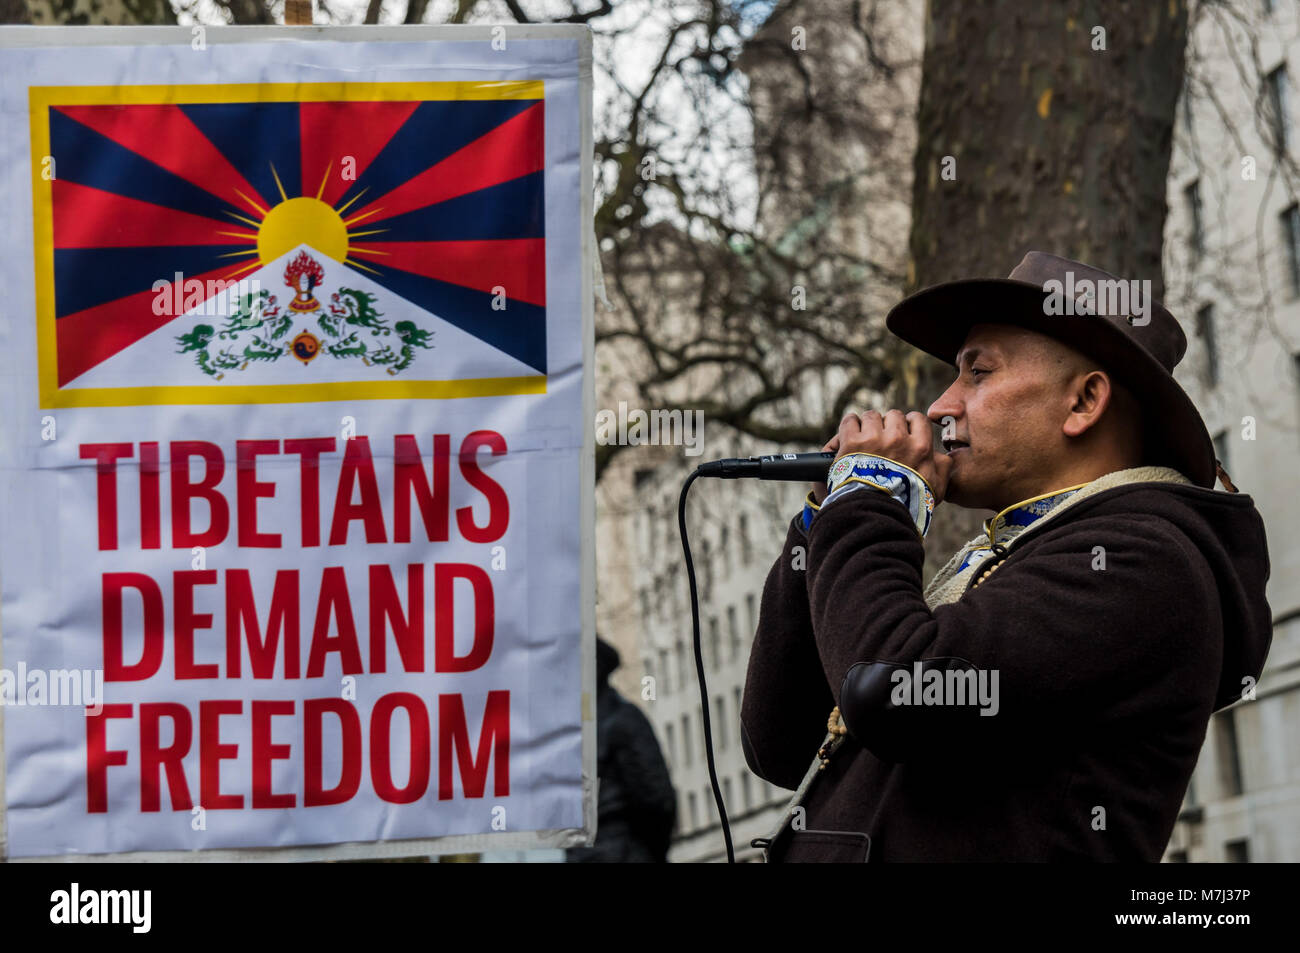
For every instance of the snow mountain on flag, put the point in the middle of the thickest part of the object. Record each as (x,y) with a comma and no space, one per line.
(250,335)
(215,244)
(258,328)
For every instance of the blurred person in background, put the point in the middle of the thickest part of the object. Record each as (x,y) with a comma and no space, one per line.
(636,804)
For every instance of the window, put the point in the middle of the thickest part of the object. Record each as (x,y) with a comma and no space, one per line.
(1205,330)
(672,743)
(1191,812)
(1277,104)
(715,646)
(733,632)
(1178,857)
(1237,851)
(709,814)
(726,792)
(1291,237)
(746,550)
(1225,726)
(1193,196)
(738,706)
(686,740)
(695,810)
(746,793)
(721,709)
(681,664)
(751,614)
(663,671)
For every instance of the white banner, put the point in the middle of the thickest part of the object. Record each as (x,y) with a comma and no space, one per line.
(296,512)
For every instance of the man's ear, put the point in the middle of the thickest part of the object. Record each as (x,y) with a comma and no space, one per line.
(1089,397)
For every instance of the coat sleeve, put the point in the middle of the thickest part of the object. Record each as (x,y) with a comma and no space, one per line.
(1063,642)
(786,699)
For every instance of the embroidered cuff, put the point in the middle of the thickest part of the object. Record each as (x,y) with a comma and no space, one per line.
(810,509)
(853,471)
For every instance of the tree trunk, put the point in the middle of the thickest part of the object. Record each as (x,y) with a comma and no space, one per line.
(1059,120)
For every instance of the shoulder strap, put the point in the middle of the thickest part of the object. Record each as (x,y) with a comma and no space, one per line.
(814,769)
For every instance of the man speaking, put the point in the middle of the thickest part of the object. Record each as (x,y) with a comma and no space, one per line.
(1046,696)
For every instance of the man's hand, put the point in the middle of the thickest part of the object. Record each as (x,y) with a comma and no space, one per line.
(820,489)
(906,439)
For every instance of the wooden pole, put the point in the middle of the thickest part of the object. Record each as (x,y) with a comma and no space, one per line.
(297,12)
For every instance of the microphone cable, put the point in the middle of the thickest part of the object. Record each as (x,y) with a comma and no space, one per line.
(779,466)
(699,667)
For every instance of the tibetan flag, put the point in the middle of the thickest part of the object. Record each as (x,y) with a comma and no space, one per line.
(264,243)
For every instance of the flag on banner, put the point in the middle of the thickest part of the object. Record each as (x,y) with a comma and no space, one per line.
(194,242)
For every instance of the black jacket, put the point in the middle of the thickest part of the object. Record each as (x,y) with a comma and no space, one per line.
(1106,678)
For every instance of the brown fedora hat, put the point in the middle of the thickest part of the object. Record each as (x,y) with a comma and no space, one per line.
(1114,321)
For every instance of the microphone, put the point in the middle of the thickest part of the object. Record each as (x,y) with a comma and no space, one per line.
(796,467)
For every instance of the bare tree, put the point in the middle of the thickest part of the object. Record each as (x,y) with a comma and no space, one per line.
(736,277)
(85,12)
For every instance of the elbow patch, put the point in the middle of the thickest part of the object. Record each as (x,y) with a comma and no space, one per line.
(914,711)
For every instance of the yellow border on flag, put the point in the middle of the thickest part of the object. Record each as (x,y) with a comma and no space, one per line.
(40,98)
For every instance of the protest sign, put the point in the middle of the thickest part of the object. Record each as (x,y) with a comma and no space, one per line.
(297,493)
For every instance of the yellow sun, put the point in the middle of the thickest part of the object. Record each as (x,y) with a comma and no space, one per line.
(302,221)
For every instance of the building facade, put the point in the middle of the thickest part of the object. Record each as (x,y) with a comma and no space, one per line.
(1232,266)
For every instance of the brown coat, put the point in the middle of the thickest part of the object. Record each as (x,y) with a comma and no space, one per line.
(1106,678)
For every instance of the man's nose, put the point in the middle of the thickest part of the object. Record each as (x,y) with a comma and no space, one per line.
(946,406)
